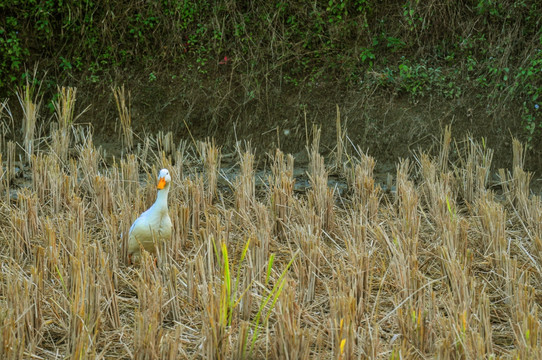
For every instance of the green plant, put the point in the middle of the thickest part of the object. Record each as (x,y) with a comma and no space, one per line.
(411,17)
(527,82)
(12,53)
(367,55)
(337,11)
(268,303)
(394,44)
(65,65)
(418,79)
(529,116)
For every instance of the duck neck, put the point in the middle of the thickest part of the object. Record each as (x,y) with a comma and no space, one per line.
(161,197)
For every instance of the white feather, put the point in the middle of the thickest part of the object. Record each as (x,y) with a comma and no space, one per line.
(153,225)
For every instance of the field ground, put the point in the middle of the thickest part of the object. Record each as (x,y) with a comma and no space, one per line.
(440,259)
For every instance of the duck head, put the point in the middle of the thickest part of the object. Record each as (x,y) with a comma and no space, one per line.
(163,179)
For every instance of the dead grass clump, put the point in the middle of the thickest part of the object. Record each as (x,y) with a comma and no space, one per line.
(320,196)
(30,101)
(281,191)
(367,193)
(292,341)
(473,168)
(61,133)
(125,115)
(210,154)
(149,315)
(245,190)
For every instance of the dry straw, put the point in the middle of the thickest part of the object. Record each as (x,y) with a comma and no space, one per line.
(61,133)
(30,101)
(445,265)
(125,115)
(281,192)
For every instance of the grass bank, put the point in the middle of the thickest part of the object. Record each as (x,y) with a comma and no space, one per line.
(483,50)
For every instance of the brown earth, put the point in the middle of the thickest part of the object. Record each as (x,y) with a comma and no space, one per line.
(386,124)
(379,121)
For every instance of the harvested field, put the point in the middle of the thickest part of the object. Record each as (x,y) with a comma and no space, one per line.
(443,260)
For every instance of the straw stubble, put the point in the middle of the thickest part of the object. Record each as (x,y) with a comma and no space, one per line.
(440,265)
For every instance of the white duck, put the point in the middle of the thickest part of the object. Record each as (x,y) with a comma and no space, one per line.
(153,225)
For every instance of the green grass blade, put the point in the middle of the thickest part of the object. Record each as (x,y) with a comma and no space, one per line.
(269,266)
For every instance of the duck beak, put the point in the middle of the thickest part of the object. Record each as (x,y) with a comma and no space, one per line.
(161,183)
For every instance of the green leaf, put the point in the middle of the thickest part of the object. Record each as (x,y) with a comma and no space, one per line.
(269,266)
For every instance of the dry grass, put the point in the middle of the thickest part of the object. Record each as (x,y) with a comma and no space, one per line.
(30,102)
(125,115)
(446,265)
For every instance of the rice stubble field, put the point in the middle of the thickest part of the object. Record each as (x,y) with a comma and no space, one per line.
(443,260)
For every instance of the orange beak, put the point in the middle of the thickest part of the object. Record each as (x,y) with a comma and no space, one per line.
(161,183)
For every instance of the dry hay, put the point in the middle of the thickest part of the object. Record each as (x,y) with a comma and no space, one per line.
(446,264)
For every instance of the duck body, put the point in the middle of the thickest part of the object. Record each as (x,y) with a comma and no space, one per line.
(152,226)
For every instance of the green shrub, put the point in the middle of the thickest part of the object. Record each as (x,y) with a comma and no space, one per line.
(444,48)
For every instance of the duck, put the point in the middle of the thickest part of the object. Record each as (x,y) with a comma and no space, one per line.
(152,226)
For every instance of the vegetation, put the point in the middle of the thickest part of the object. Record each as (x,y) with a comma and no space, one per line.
(444,261)
(492,49)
